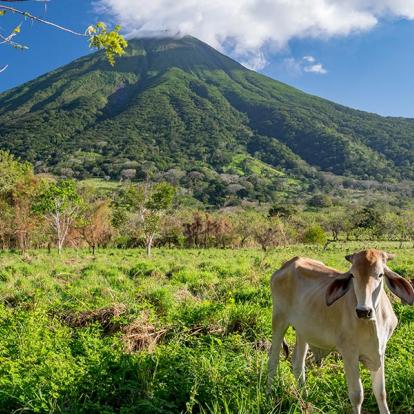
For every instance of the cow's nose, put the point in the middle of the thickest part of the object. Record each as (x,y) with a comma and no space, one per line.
(364,313)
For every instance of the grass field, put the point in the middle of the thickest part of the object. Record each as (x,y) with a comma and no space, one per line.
(186,331)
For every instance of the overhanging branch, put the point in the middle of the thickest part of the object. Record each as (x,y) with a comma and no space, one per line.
(38,19)
(15,1)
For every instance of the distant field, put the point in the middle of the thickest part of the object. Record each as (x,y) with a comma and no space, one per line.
(186,331)
(101,184)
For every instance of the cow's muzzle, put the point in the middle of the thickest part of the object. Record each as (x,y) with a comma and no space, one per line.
(364,312)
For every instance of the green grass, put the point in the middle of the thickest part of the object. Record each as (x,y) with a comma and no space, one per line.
(186,331)
(100,184)
(243,164)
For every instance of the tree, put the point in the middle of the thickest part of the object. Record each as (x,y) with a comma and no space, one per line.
(148,205)
(128,174)
(60,205)
(95,225)
(398,226)
(245,226)
(98,35)
(209,230)
(337,222)
(369,219)
(12,171)
(17,189)
(22,201)
(314,235)
(320,201)
(158,202)
(407,218)
(171,231)
(193,231)
(269,232)
(6,224)
(283,210)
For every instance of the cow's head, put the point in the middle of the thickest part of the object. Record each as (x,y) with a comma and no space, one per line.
(369,269)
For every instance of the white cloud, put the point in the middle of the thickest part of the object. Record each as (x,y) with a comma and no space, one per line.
(254,60)
(317,68)
(244,27)
(309,59)
(308,64)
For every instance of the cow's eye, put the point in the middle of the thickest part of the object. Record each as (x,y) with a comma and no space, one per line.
(351,275)
(381,275)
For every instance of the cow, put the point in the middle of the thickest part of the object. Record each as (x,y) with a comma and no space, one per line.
(348,312)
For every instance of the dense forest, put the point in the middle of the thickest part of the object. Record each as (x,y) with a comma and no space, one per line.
(177,110)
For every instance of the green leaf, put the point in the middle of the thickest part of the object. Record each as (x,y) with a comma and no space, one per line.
(112,42)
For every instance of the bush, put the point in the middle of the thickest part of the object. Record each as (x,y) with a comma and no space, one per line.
(315,235)
(320,201)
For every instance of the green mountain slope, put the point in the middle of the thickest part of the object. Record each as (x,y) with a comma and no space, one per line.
(179,106)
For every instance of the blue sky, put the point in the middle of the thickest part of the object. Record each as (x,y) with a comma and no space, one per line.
(370,69)
(373,71)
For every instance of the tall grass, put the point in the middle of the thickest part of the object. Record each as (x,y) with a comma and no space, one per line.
(186,331)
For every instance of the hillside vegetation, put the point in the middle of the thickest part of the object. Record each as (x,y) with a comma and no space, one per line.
(183,332)
(177,109)
(40,211)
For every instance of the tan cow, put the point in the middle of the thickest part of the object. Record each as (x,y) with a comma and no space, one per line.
(348,312)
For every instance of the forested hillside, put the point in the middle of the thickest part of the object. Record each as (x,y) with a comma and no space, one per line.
(178,110)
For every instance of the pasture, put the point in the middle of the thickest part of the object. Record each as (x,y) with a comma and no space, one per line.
(186,331)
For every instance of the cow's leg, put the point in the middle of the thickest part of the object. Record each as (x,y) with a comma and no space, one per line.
(355,390)
(279,327)
(378,386)
(301,349)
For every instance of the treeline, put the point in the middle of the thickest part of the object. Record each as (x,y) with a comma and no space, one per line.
(41,212)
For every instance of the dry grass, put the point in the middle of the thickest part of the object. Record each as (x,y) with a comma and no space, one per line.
(141,335)
(106,317)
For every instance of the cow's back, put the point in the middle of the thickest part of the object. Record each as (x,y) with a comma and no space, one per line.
(301,272)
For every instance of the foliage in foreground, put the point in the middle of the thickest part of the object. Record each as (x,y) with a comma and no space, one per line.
(98,35)
(186,331)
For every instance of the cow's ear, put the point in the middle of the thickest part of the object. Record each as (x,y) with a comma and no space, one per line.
(349,257)
(399,286)
(388,256)
(337,289)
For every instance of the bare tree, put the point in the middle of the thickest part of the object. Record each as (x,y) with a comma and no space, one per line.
(147,205)
(60,205)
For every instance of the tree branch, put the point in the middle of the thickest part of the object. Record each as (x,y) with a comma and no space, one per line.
(10,42)
(38,19)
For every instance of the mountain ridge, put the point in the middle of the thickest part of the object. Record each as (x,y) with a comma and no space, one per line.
(179,103)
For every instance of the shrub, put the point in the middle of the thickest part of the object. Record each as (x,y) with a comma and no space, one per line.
(315,235)
(320,201)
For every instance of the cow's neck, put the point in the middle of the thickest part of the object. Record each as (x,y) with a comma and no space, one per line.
(376,331)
